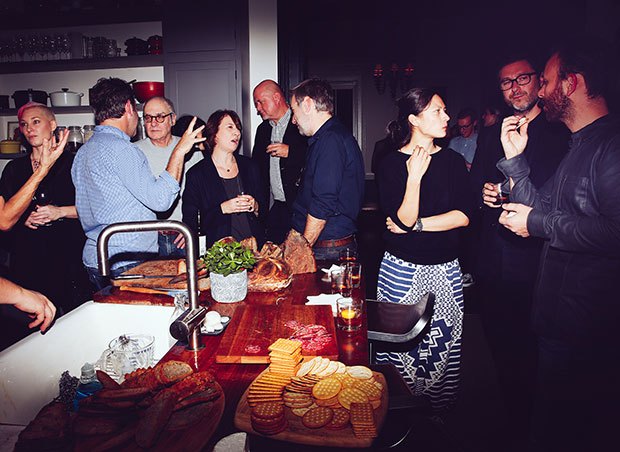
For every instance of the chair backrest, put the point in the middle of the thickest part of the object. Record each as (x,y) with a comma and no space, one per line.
(396,322)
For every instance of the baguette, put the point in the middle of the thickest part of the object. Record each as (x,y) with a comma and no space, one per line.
(154,420)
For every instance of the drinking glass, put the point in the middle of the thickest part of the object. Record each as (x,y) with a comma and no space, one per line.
(356,273)
(348,255)
(341,281)
(349,314)
(503,194)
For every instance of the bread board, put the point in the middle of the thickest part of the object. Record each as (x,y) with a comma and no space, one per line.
(260,325)
(167,268)
(297,432)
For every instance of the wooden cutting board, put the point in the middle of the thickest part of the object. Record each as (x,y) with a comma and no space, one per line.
(262,325)
(297,432)
(154,268)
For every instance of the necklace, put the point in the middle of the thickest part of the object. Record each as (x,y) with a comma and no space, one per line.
(35,163)
(222,167)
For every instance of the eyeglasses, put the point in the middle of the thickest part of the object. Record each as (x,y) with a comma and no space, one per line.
(158,118)
(466,126)
(522,79)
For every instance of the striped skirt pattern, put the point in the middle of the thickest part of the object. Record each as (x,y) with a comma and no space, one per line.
(433,368)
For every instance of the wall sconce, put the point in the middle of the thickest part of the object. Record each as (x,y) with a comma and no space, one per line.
(398,80)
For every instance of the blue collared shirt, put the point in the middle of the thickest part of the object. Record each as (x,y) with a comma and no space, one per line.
(114,183)
(333,183)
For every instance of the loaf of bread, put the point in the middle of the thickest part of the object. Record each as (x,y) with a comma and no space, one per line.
(298,253)
(269,275)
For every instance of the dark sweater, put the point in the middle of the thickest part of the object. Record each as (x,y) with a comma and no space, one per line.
(443,189)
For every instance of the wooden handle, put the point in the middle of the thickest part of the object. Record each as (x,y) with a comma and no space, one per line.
(143,290)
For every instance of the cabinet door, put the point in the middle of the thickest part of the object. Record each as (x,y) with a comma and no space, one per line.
(199,88)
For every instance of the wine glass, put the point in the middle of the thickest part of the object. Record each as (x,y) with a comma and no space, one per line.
(42,198)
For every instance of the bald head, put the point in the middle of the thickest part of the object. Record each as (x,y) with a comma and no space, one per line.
(269,100)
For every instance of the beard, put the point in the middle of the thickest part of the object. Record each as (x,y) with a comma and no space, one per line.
(530,102)
(556,106)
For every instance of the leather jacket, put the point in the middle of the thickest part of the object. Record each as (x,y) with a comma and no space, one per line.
(578,214)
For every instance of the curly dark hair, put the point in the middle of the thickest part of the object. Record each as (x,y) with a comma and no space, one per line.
(213,123)
(108,98)
(413,102)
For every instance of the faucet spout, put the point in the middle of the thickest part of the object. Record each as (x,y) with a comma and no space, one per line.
(191,256)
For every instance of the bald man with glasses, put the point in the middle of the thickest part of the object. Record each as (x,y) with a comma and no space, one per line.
(159,118)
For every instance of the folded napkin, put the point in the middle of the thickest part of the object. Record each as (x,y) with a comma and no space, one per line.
(324,299)
(333,267)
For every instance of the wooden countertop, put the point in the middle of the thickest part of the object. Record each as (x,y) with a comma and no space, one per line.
(235,378)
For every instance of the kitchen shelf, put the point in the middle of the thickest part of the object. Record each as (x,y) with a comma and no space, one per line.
(57,110)
(82,64)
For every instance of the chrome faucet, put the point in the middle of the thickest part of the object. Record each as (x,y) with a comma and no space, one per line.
(190,258)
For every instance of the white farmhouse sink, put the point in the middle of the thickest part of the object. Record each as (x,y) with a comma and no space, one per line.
(31,368)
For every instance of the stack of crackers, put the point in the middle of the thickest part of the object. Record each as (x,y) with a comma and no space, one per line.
(268,418)
(285,357)
(363,420)
(267,388)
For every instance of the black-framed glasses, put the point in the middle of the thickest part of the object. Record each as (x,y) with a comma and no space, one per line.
(158,118)
(466,126)
(522,79)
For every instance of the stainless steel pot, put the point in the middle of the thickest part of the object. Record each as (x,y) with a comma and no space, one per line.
(66,98)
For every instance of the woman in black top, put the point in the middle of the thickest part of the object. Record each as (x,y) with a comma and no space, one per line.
(46,243)
(223,188)
(423,192)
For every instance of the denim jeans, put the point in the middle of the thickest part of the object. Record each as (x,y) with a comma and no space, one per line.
(167,247)
(332,254)
(100,282)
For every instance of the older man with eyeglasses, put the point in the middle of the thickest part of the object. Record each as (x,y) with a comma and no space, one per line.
(505,265)
(159,118)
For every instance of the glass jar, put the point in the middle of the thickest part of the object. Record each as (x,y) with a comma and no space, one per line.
(76,139)
(89,130)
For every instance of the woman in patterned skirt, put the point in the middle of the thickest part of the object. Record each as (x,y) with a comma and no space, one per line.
(422,190)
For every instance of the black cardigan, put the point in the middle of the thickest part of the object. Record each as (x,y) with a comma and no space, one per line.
(204,192)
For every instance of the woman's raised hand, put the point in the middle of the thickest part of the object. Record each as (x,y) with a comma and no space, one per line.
(418,163)
(238,204)
(52,150)
(191,137)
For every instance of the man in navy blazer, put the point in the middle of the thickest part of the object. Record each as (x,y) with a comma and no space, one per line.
(280,153)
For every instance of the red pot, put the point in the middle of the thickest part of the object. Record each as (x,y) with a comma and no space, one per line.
(145,90)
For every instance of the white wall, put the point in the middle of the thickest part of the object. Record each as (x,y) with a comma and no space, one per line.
(263,55)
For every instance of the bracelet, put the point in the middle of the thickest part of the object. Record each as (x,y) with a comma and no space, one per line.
(417,227)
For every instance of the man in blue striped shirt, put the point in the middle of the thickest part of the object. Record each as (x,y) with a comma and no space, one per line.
(114,183)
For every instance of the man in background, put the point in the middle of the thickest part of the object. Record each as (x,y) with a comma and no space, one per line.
(332,189)
(465,143)
(159,118)
(280,152)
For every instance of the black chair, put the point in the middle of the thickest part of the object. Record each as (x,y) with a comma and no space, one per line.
(396,327)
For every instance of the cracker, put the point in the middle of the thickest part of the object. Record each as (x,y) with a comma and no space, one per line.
(329,370)
(301,411)
(340,419)
(368,388)
(361,372)
(267,410)
(317,417)
(285,346)
(326,389)
(349,395)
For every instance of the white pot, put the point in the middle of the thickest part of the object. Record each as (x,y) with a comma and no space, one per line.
(66,98)
(229,289)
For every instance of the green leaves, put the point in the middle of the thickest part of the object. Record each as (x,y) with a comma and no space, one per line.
(228,258)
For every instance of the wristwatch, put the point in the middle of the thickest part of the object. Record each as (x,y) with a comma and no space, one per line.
(417,227)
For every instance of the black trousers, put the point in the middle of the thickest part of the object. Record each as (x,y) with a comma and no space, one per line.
(278,222)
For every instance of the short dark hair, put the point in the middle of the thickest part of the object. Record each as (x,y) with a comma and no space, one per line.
(589,56)
(466,113)
(213,123)
(183,122)
(108,98)
(320,91)
(513,55)
(413,102)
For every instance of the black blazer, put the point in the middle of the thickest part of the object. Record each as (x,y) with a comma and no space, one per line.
(290,167)
(204,192)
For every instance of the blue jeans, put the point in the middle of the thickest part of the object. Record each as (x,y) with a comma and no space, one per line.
(100,282)
(167,247)
(333,254)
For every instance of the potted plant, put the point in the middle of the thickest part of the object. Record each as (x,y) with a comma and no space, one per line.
(227,263)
